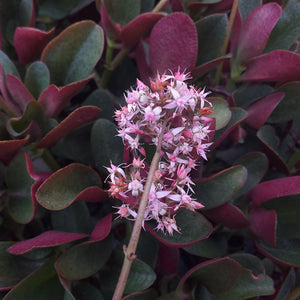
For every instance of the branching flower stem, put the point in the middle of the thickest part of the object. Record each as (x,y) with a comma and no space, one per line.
(136,231)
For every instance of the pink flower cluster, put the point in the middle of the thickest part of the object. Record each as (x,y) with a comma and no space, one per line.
(170,115)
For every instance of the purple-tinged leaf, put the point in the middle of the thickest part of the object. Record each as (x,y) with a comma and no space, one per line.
(72,55)
(67,286)
(71,183)
(286,252)
(176,5)
(77,118)
(278,65)
(168,258)
(269,141)
(259,111)
(227,215)
(237,117)
(102,229)
(252,41)
(18,92)
(201,70)
(29,43)
(193,228)
(132,32)
(218,189)
(274,188)
(286,285)
(8,149)
(173,44)
(263,224)
(236,29)
(217,275)
(54,99)
(50,238)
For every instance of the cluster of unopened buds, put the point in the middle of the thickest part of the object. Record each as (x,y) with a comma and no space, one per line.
(170,115)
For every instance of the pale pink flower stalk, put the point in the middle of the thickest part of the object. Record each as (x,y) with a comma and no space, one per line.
(175,111)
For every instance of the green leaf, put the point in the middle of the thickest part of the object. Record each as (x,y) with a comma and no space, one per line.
(106,146)
(42,284)
(122,12)
(287,251)
(37,78)
(217,275)
(288,108)
(20,203)
(73,54)
(219,188)
(63,187)
(248,286)
(287,210)
(246,7)
(141,276)
(85,259)
(211,35)
(85,290)
(256,164)
(7,65)
(212,247)
(144,295)
(249,261)
(222,113)
(287,29)
(193,227)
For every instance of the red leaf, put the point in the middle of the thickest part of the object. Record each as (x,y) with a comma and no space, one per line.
(255,31)
(92,194)
(46,239)
(259,111)
(263,223)
(173,44)
(19,93)
(274,188)
(228,215)
(54,98)
(77,118)
(8,149)
(102,229)
(29,43)
(134,30)
(168,258)
(278,65)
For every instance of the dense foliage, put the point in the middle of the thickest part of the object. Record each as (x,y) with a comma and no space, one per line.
(64,68)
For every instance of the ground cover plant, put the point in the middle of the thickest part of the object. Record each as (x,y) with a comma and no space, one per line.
(160,138)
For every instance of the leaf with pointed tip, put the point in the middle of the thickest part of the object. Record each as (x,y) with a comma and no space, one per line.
(29,43)
(46,239)
(106,146)
(259,111)
(71,183)
(8,149)
(252,41)
(72,55)
(217,275)
(54,99)
(219,188)
(77,118)
(193,228)
(173,43)
(37,78)
(287,251)
(41,284)
(211,32)
(278,65)
(269,140)
(221,112)
(132,33)
(286,30)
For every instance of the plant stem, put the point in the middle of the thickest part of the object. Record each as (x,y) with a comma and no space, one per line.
(50,160)
(6,108)
(294,294)
(159,6)
(226,41)
(135,235)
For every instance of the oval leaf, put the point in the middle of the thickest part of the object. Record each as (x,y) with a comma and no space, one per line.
(221,112)
(72,55)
